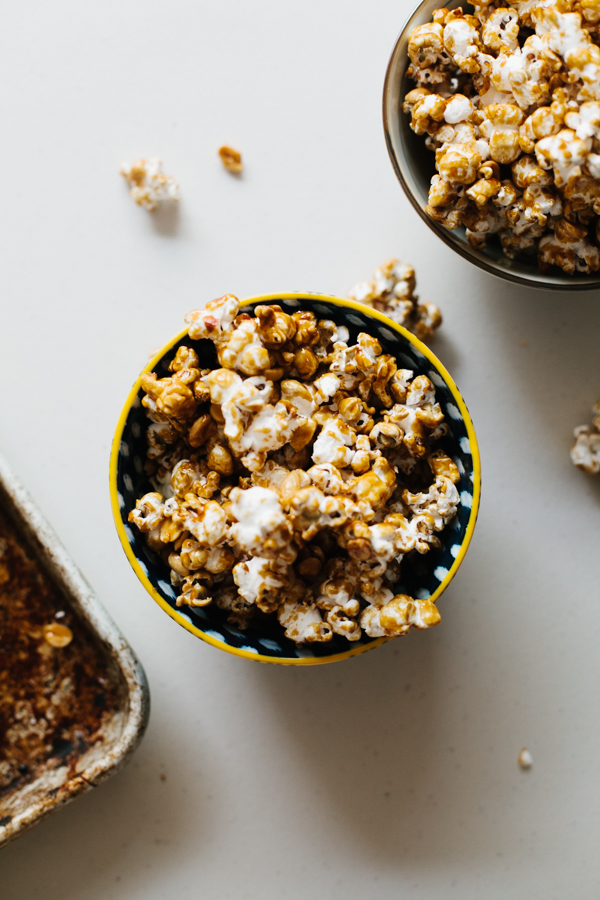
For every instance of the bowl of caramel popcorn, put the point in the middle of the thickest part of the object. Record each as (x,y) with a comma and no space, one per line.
(295,478)
(492,121)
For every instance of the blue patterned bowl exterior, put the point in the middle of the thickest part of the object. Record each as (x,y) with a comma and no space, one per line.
(422,576)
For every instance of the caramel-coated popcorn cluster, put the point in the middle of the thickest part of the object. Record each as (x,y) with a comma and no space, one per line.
(148,185)
(585,452)
(294,479)
(509,100)
(392,291)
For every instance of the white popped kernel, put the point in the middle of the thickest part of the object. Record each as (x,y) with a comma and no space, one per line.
(458,110)
(148,185)
(259,515)
(333,444)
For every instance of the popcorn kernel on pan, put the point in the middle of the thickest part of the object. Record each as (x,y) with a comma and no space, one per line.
(295,493)
(508,92)
(148,184)
(585,452)
(58,635)
(231,159)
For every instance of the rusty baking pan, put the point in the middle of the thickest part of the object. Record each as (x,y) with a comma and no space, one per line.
(74,699)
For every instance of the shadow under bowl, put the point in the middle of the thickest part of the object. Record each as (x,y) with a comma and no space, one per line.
(414,166)
(422,576)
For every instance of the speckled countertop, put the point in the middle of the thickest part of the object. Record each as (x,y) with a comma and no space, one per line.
(391,775)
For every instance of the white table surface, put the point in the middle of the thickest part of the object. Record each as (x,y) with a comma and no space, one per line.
(391,775)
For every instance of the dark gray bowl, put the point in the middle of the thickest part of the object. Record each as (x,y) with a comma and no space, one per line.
(414,165)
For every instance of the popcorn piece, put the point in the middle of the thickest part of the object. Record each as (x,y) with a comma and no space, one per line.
(303,622)
(231,159)
(392,292)
(193,593)
(440,501)
(259,578)
(148,185)
(148,514)
(565,153)
(313,511)
(215,321)
(462,40)
(501,30)
(418,416)
(397,616)
(170,397)
(274,327)
(333,443)
(585,452)
(569,249)
(426,45)
(262,528)
(501,128)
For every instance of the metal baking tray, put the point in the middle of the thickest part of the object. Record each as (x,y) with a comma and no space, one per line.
(71,716)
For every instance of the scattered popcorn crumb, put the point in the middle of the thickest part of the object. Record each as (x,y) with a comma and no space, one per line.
(58,635)
(585,452)
(148,185)
(525,759)
(231,159)
(294,479)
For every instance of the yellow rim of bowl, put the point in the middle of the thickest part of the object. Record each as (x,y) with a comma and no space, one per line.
(184,622)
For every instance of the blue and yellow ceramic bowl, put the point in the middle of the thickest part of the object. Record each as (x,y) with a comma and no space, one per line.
(422,576)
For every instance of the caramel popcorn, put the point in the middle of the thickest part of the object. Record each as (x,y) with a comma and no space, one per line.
(392,291)
(148,185)
(231,159)
(585,452)
(514,120)
(297,495)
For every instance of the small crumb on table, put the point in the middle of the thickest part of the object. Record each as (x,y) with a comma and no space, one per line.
(525,759)
(231,159)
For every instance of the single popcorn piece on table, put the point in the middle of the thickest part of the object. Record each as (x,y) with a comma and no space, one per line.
(525,759)
(392,291)
(148,184)
(585,452)
(514,120)
(231,159)
(294,478)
